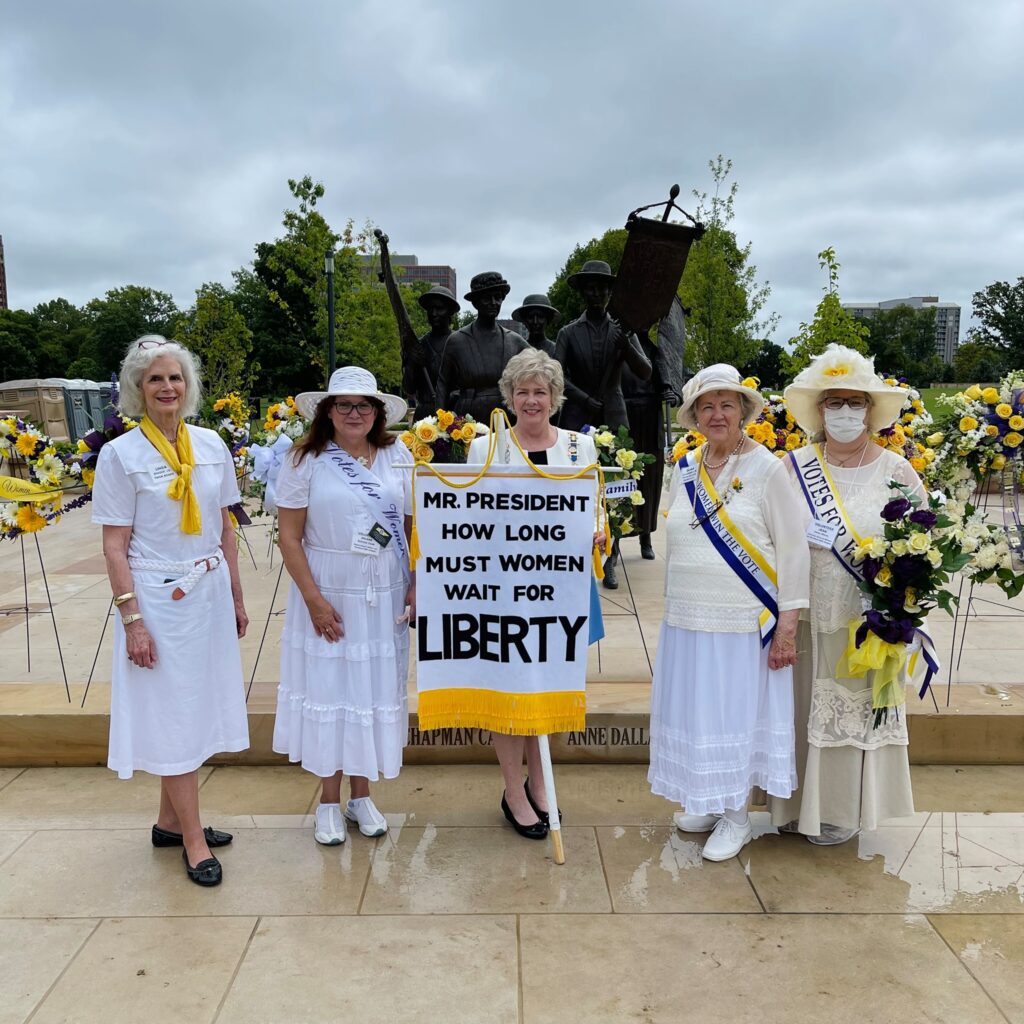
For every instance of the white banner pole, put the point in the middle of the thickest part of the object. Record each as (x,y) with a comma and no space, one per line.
(554,825)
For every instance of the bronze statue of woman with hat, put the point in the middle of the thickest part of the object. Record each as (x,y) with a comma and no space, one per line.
(593,350)
(474,357)
(537,314)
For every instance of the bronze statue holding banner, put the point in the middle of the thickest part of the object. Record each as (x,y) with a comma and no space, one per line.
(421,357)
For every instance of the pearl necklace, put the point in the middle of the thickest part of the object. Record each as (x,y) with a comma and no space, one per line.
(719,465)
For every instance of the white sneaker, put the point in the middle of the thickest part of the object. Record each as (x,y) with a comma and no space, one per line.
(695,822)
(329,829)
(832,835)
(727,840)
(364,813)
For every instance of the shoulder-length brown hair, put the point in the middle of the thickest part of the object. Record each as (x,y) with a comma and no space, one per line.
(321,430)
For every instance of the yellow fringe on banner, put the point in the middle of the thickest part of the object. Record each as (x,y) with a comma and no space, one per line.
(497,416)
(512,714)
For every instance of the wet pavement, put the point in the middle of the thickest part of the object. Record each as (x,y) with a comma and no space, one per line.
(452,917)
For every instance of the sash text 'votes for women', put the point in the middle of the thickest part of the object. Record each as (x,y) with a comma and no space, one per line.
(503,582)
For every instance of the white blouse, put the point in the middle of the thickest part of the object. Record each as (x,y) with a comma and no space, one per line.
(701,591)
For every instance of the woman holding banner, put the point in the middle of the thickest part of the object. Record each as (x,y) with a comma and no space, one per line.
(344,517)
(722,697)
(852,775)
(162,492)
(533,388)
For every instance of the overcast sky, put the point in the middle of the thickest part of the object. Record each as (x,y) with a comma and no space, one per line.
(151,143)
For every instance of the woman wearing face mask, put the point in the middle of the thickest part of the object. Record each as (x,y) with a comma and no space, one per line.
(852,776)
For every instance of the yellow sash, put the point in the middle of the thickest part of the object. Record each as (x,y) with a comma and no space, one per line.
(180,458)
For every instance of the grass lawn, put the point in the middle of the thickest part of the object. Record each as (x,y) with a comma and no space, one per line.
(930,398)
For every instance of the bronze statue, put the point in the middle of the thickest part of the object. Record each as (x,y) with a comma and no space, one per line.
(421,357)
(475,356)
(537,315)
(592,350)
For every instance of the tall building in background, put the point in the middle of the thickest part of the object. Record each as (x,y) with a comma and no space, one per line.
(412,271)
(947,319)
(3,277)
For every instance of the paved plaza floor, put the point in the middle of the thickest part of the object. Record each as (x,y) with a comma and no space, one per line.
(451,917)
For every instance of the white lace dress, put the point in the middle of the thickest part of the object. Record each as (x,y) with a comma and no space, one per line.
(721,720)
(342,706)
(851,775)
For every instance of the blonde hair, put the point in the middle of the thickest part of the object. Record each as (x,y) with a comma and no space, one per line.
(532,364)
(137,361)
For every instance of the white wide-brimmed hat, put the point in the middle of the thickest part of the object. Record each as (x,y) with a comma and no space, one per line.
(352,380)
(842,368)
(719,377)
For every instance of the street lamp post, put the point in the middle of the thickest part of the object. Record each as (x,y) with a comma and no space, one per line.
(329,268)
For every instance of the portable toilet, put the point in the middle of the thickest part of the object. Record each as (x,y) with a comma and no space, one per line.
(76,404)
(106,392)
(95,401)
(39,402)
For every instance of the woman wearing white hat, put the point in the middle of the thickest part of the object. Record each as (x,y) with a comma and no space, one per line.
(852,775)
(344,516)
(737,575)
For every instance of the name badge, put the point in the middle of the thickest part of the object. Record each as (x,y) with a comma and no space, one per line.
(372,542)
(162,474)
(822,534)
(687,474)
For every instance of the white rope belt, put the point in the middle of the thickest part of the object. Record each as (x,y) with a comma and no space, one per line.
(190,572)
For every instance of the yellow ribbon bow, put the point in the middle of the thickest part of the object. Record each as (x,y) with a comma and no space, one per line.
(180,458)
(884,659)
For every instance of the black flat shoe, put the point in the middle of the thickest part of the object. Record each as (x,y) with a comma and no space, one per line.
(161,837)
(646,548)
(207,872)
(543,815)
(538,830)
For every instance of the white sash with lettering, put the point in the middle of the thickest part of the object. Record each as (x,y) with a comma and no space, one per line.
(385,512)
(727,539)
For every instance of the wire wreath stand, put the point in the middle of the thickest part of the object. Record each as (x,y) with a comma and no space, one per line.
(1009,491)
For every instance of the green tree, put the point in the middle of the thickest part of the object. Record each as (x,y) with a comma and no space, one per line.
(999,310)
(977,362)
(18,347)
(831,323)
(122,315)
(719,284)
(902,340)
(767,366)
(215,330)
(63,330)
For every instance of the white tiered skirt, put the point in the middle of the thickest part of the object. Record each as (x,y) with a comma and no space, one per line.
(343,706)
(721,721)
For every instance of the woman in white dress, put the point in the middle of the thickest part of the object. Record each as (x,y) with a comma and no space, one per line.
(722,697)
(533,388)
(344,515)
(852,776)
(162,493)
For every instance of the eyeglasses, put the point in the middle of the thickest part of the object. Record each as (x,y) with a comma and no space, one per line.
(363,408)
(701,520)
(856,402)
(153,344)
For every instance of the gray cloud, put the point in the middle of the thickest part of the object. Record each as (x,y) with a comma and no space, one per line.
(151,144)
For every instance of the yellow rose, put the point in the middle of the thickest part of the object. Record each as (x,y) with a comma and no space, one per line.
(973,393)
(468,431)
(445,419)
(899,547)
(936,439)
(998,461)
(918,463)
(604,438)
(928,455)
(625,458)
(992,430)
(626,528)
(422,452)
(1012,439)
(919,542)
(426,431)
(879,546)
(990,395)
(884,576)
(1004,411)
(935,557)
(968,423)
(456,435)
(863,550)
(636,497)
(1017,422)
(408,438)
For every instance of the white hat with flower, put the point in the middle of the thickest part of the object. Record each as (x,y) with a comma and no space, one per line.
(841,368)
(352,380)
(718,377)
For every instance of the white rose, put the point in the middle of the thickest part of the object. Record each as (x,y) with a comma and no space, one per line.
(636,497)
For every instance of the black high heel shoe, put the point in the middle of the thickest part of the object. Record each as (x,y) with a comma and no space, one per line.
(543,815)
(207,872)
(538,830)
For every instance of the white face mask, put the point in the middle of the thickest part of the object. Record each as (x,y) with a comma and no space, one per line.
(845,424)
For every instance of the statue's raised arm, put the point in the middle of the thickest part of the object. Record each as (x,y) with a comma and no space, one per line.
(406,333)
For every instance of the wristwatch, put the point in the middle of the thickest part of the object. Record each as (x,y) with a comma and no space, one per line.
(127,620)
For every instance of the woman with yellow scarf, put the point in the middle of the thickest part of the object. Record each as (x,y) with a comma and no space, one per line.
(162,493)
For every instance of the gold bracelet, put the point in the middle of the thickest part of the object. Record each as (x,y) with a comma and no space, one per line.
(118,601)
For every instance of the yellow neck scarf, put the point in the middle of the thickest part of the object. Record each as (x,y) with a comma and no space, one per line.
(180,458)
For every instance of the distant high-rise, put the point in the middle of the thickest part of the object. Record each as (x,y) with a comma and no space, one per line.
(412,271)
(3,277)
(947,319)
